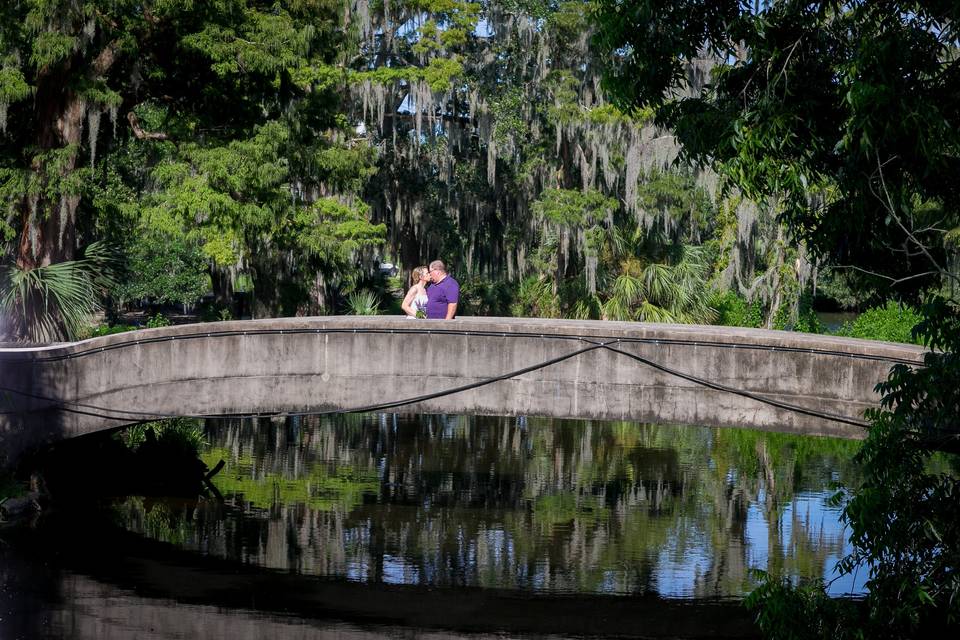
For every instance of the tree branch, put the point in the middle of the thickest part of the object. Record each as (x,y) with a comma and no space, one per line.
(888,204)
(104,60)
(140,133)
(892,280)
(446,117)
(783,70)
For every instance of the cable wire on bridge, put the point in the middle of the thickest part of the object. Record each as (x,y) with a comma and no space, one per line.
(136,417)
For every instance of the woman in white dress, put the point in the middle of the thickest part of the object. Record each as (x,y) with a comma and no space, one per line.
(415,302)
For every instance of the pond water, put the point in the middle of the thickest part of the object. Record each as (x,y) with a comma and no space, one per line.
(430,524)
(833,321)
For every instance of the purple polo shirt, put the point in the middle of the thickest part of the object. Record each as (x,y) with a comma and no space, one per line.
(439,295)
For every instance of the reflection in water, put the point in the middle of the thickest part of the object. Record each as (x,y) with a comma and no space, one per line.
(546,506)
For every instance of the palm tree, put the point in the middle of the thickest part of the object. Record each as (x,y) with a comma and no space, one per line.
(54,302)
(672,288)
(363,303)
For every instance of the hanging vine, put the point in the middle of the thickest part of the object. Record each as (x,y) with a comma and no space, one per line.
(479,109)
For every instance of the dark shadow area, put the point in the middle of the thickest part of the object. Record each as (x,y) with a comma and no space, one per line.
(40,561)
(101,465)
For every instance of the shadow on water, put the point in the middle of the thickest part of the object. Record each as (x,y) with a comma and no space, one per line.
(110,584)
(365,526)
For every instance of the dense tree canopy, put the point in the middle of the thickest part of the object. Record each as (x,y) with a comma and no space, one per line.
(293,144)
(223,127)
(487,114)
(847,114)
(284,141)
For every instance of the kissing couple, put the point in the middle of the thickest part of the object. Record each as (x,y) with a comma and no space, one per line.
(434,294)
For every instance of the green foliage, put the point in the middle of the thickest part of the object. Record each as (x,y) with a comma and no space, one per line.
(509,123)
(625,272)
(903,520)
(10,487)
(788,611)
(807,320)
(734,311)
(363,303)
(50,48)
(13,87)
(535,299)
(265,43)
(561,87)
(232,124)
(850,106)
(523,168)
(673,289)
(157,320)
(212,311)
(608,113)
(183,434)
(104,330)
(799,318)
(892,322)
(484,297)
(839,290)
(676,199)
(54,302)
(333,231)
(440,74)
(538,9)
(846,113)
(569,208)
(236,197)
(163,269)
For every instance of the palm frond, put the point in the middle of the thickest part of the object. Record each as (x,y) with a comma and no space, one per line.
(620,245)
(628,290)
(614,309)
(659,281)
(535,297)
(587,308)
(649,312)
(101,262)
(54,302)
(363,303)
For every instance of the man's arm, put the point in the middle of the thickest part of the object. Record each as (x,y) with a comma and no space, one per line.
(451,310)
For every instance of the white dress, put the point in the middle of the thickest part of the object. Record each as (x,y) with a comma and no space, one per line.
(419,304)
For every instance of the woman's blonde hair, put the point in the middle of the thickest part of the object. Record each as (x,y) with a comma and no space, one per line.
(415,274)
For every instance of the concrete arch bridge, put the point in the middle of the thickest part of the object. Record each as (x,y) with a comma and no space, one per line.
(716,376)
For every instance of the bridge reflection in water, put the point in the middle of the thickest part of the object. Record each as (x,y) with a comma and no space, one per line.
(498,524)
(545,505)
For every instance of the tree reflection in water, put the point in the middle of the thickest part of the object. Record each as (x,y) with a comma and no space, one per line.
(533,504)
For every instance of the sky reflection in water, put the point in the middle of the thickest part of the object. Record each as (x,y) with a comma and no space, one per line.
(531,504)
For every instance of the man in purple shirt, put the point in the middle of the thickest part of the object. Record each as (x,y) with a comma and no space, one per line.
(443,295)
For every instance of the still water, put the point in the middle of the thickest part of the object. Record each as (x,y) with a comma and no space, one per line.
(422,525)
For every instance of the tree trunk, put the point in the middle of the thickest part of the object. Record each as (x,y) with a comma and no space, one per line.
(410,250)
(222,287)
(319,295)
(48,231)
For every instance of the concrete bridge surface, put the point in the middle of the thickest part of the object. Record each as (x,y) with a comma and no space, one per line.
(717,376)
